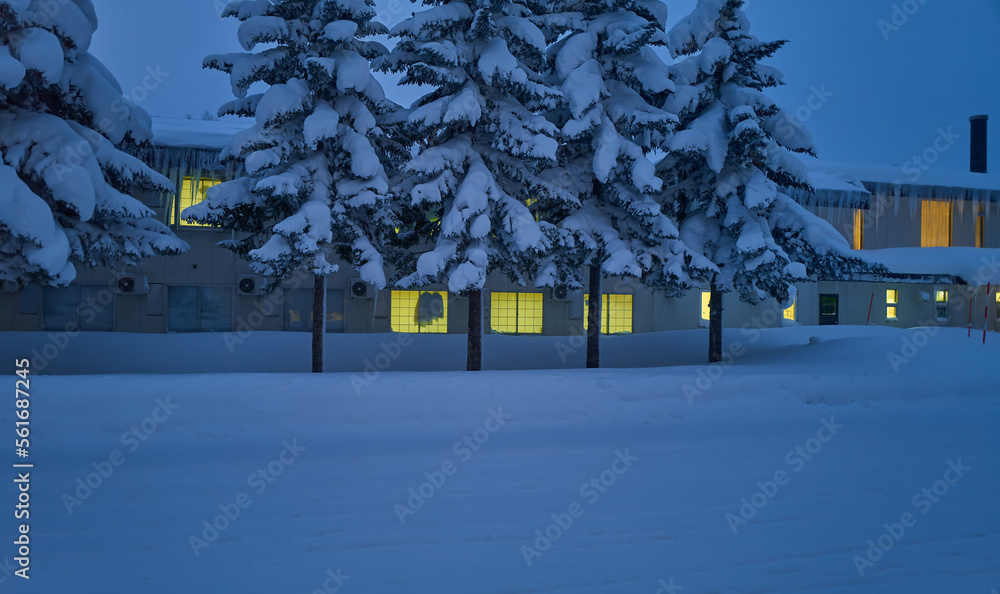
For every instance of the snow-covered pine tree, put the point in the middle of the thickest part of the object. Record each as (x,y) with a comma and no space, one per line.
(315,183)
(614,84)
(66,182)
(479,146)
(726,165)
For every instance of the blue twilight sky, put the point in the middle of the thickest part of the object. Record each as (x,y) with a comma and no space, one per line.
(869,93)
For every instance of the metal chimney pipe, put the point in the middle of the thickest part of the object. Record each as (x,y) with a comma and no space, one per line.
(977,144)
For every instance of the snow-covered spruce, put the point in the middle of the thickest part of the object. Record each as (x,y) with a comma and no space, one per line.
(734,152)
(472,189)
(315,182)
(611,118)
(65,180)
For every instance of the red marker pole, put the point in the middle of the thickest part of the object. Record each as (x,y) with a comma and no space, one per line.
(868,322)
(970,314)
(986,310)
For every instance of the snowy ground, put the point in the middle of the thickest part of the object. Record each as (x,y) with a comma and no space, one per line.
(677,449)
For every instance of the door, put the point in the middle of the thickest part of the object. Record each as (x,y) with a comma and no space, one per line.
(829,310)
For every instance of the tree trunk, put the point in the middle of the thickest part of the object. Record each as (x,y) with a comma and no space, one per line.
(318,322)
(594,319)
(475,358)
(714,325)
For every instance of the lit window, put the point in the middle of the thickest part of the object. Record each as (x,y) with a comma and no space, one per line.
(706,310)
(516,313)
(790,312)
(531,202)
(859,230)
(891,304)
(941,304)
(616,314)
(193,191)
(935,224)
(423,312)
(980,227)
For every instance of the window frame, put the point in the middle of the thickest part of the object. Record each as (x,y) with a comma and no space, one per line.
(201,308)
(174,220)
(78,323)
(793,308)
(892,305)
(535,301)
(396,309)
(926,206)
(626,299)
(858,239)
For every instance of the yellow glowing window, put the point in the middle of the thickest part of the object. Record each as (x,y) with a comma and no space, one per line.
(891,303)
(529,203)
(616,314)
(192,192)
(935,223)
(790,312)
(516,313)
(941,297)
(980,227)
(706,310)
(859,230)
(419,312)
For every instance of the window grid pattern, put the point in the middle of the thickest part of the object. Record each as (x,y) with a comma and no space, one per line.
(404,314)
(891,304)
(516,313)
(193,191)
(616,314)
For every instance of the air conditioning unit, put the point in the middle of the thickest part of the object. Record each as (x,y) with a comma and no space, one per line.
(360,289)
(562,293)
(132,284)
(249,285)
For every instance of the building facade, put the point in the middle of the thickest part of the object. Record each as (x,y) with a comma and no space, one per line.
(884,212)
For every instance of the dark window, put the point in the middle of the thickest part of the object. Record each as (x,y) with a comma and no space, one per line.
(829,310)
(85,307)
(299,307)
(200,309)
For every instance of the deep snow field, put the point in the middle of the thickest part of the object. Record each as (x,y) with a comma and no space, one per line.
(771,474)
